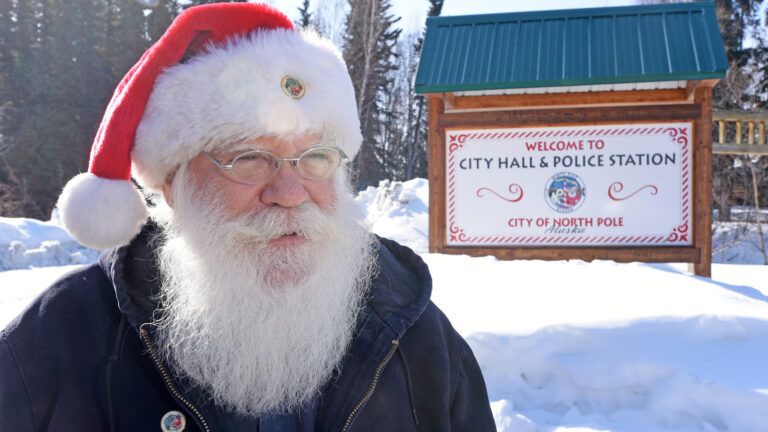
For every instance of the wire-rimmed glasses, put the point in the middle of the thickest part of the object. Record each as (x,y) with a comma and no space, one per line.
(253,167)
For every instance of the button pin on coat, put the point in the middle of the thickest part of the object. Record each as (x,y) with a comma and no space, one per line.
(173,421)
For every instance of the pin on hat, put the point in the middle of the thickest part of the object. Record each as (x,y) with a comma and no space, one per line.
(247,75)
(292,87)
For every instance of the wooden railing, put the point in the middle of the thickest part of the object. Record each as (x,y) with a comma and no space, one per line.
(739,132)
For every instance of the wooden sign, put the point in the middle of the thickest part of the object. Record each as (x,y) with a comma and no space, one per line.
(575,186)
(542,176)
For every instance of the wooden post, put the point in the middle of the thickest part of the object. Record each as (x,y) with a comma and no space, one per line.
(751,139)
(721,135)
(436,172)
(702,193)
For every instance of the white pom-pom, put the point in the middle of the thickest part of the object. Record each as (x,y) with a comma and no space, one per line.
(101,213)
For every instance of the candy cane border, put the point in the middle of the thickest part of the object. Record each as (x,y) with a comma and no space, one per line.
(678,234)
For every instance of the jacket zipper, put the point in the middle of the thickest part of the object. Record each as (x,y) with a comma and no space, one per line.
(167,378)
(371,386)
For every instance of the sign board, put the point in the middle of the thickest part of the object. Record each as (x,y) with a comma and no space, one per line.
(574,186)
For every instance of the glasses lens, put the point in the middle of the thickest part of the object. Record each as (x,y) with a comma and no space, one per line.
(319,163)
(253,167)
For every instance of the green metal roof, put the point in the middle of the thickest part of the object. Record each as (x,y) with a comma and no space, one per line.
(668,42)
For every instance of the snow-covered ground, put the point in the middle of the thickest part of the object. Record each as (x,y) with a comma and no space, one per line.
(28,243)
(738,242)
(575,346)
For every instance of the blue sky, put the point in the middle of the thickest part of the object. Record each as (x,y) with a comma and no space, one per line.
(413,12)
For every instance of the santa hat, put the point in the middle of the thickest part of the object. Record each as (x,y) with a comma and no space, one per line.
(251,74)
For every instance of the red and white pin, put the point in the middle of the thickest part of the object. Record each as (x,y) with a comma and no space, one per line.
(173,421)
(292,87)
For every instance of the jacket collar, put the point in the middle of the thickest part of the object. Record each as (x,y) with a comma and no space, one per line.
(401,290)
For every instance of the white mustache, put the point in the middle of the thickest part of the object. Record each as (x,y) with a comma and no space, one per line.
(306,221)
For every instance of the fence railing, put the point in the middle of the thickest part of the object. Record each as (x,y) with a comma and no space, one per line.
(739,132)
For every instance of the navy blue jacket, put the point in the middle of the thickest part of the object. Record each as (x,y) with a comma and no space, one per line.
(81,357)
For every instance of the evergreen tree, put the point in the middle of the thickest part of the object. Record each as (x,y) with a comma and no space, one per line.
(7,94)
(62,104)
(22,117)
(414,143)
(417,141)
(60,62)
(202,2)
(126,36)
(10,191)
(738,19)
(369,50)
(160,17)
(305,17)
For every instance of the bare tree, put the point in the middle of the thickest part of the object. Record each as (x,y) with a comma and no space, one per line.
(757,170)
(405,125)
(328,19)
(369,50)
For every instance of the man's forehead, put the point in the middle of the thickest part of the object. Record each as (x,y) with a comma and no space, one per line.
(270,142)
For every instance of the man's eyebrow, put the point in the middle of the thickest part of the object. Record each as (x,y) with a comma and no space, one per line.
(238,145)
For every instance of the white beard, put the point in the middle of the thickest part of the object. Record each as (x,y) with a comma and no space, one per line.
(261,328)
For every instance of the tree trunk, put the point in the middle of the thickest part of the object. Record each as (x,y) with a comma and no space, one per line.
(758,218)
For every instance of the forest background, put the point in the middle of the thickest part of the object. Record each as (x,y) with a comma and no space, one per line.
(60,61)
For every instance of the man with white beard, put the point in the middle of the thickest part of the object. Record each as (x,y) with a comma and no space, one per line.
(254,299)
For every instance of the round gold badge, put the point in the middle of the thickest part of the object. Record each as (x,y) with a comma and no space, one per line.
(292,87)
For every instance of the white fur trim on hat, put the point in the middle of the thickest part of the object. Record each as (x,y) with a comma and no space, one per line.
(234,92)
(101,213)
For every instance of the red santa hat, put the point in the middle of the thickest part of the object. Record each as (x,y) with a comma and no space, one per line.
(251,74)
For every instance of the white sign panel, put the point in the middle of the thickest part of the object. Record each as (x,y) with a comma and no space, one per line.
(617,185)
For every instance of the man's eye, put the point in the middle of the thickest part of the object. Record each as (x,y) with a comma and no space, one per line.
(318,156)
(253,157)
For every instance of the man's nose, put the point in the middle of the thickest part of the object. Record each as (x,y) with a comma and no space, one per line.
(285,188)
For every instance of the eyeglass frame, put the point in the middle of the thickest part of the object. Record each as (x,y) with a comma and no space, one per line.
(294,161)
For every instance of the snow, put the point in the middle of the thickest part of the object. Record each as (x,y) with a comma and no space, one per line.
(738,242)
(19,287)
(567,346)
(399,211)
(28,243)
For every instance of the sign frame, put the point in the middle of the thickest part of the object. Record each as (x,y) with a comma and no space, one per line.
(690,104)
(467,180)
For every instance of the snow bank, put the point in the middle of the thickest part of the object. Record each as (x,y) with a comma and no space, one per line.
(399,210)
(701,373)
(613,347)
(697,374)
(27,243)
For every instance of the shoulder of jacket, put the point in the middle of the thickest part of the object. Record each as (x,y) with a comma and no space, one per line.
(81,296)
(433,333)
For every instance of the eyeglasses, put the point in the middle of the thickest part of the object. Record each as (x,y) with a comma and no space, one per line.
(256,166)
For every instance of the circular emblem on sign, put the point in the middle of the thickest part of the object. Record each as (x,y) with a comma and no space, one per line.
(173,421)
(292,87)
(565,192)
